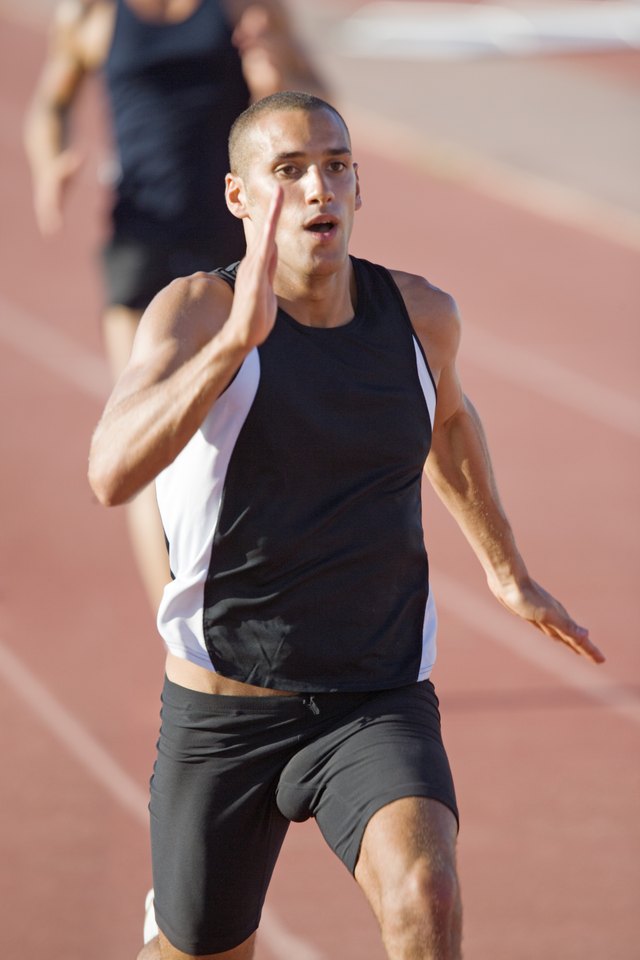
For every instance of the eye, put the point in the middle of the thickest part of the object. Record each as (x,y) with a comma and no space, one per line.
(337,166)
(287,170)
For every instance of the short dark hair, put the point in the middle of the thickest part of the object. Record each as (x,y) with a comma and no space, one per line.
(276,102)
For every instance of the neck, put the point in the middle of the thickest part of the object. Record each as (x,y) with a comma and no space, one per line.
(317,301)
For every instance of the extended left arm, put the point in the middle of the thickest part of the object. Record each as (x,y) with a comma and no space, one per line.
(459,468)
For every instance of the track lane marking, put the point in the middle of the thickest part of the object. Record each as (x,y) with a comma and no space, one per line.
(522,189)
(423,31)
(62,355)
(100,764)
(54,350)
(449,161)
(485,616)
(525,367)
(83,368)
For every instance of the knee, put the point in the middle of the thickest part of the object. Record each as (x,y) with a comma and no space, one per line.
(423,906)
(150,951)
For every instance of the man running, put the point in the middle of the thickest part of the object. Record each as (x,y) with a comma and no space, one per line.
(287,408)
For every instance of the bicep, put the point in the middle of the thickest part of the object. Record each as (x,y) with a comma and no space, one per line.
(436,324)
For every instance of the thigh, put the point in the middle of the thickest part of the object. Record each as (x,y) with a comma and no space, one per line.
(215,829)
(390,747)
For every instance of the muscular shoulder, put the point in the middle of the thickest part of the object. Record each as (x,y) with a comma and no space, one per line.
(434,316)
(186,313)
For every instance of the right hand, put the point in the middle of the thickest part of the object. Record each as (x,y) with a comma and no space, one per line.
(255,304)
(50,188)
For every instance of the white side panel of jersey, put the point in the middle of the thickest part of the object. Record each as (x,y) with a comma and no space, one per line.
(429,631)
(426,382)
(189,495)
(430,626)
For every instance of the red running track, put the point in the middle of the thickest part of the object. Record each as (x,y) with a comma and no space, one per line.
(545,748)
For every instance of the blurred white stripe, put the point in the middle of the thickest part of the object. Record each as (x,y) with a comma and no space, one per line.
(74,735)
(92,756)
(55,350)
(485,616)
(522,189)
(525,368)
(440,31)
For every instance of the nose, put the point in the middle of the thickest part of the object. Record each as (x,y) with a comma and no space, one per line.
(317,187)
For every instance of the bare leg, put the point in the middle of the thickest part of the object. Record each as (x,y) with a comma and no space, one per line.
(408,873)
(160,949)
(145,527)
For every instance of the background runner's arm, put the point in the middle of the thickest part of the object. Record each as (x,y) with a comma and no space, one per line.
(51,161)
(273,57)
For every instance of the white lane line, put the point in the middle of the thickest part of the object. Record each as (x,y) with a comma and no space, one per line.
(438,31)
(447,160)
(484,616)
(74,735)
(42,343)
(525,190)
(99,763)
(62,355)
(74,364)
(525,368)
(282,942)
(54,350)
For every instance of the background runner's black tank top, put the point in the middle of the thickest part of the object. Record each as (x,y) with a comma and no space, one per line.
(174,91)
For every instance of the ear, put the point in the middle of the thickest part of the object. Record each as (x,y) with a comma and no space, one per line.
(236,196)
(358,194)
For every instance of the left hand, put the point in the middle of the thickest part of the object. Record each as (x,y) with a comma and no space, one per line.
(534,604)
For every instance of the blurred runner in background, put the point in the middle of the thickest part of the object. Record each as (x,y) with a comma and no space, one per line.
(177,73)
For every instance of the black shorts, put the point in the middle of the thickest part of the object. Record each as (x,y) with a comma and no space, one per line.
(232,772)
(135,269)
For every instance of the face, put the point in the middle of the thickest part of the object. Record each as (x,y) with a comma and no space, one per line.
(308,156)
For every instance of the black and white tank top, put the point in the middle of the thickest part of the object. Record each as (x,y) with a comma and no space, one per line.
(294,516)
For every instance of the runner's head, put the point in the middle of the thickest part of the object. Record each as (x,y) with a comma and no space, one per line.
(300,144)
(241,141)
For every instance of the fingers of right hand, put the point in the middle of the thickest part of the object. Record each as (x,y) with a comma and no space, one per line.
(578,640)
(273,216)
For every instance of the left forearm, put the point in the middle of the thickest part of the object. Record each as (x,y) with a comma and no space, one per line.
(460,470)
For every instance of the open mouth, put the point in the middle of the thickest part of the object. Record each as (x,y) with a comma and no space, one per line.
(321,227)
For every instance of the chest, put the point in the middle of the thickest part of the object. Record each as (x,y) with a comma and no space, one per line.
(348,398)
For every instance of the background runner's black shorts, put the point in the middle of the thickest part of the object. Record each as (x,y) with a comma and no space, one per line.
(232,772)
(135,269)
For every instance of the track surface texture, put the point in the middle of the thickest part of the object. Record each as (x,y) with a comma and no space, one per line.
(508,181)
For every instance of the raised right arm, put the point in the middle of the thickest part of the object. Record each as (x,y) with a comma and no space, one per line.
(190,343)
